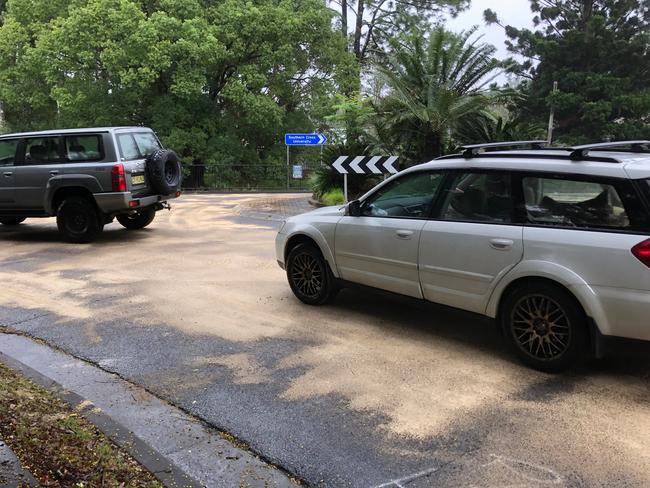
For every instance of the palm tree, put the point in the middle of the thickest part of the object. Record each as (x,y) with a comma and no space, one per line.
(436,84)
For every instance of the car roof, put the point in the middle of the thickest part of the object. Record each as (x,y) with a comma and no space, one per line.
(613,163)
(81,130)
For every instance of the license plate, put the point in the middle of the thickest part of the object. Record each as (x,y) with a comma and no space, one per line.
(137,179)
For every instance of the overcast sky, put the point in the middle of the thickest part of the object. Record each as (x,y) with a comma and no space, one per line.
(510,12)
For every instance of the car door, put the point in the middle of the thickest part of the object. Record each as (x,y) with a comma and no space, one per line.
(472,242)
(42,160)
(8,150)
(379,248)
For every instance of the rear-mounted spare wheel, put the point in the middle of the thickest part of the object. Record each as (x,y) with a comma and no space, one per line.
(164,172)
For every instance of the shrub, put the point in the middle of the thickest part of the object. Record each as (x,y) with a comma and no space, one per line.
(333,197)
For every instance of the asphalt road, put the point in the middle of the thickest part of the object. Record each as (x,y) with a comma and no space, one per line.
(365,392)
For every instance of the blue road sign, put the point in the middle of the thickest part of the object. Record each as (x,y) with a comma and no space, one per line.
(304,139)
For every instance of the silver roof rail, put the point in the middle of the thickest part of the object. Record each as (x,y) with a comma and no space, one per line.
(472,150)
(581,152)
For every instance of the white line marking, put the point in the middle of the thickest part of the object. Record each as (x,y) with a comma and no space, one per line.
(354,165)
(389,164)
(398,482)
(338,164)
(372,165)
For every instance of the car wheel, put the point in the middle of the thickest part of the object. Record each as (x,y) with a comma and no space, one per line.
(545,326)
(12,220)
(78,220)
(309,275)
(138,220)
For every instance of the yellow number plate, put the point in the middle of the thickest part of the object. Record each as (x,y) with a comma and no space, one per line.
(137,179)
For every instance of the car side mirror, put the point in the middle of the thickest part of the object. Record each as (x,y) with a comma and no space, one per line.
(354,208)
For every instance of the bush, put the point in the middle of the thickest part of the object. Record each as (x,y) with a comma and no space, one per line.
(327,179)
(333,197)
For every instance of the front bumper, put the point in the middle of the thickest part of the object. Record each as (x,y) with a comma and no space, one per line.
(280,244)
(116,203)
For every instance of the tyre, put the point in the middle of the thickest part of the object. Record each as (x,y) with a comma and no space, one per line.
(545,326)
(309,275)
(138,220)
(164,172)
(78,220)
(12,220)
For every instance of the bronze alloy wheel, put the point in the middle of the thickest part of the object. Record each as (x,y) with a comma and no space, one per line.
(541,327)
(307,275)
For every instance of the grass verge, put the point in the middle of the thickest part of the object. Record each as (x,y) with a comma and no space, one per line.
(58,446)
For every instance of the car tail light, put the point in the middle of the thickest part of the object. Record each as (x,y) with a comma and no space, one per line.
(118,180)
(642,252)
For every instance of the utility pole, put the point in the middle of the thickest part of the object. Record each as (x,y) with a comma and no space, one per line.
(550,119)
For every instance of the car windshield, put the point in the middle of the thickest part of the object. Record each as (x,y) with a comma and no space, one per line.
(137,145)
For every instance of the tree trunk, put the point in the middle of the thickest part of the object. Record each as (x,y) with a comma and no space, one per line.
(344,21)
(361,5)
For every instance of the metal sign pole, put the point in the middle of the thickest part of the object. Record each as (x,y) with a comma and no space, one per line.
(288,167)
(345,186)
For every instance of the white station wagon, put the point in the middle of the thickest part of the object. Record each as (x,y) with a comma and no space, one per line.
(552,243)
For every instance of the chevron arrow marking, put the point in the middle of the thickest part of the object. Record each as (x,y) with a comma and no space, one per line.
(372,165)
(338,164)
(354,165)
(389,164)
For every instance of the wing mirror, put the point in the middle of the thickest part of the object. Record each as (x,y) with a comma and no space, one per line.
(354,208)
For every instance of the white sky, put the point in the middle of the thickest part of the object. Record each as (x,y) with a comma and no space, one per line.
(510,12)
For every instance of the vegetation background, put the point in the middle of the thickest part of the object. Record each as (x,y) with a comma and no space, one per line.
(221,81)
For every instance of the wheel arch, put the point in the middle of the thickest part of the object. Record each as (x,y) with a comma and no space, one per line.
(64,192)
(315,238)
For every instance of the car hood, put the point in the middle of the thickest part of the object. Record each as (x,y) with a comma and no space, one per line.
(337,210)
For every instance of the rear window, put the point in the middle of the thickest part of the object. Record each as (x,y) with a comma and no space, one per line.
(8,152)
(84,148)
(137,145)
(574,203)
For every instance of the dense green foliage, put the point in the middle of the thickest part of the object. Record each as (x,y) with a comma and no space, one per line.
(222,81)
(599,53)
(219,81)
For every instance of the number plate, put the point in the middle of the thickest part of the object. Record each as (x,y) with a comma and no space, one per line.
(137,179)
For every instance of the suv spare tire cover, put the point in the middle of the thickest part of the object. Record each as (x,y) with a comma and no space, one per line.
(164,171)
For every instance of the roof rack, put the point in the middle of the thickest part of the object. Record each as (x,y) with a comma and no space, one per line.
(581,152)
(472,150)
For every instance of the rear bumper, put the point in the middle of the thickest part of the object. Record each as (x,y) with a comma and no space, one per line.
(115,203)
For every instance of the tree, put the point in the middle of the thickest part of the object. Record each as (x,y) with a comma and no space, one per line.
(437,84)
(219,81)
(599,53)
(377,21)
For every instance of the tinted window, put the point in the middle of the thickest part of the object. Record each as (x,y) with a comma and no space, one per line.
(42,150)
(83,148)
(410,196)
(137,145)
(8,152)
(479,197)
(573,203)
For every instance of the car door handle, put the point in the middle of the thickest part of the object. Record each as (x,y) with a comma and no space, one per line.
(404,234)
(501,244)
(7,174)
(54,172)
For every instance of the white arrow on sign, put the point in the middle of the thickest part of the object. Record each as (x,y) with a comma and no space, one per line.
(354,165)
(321,139)
(372,165)
(338,164)
(389,164)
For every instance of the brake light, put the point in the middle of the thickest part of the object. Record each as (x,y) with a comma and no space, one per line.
(118,181)
(642,252)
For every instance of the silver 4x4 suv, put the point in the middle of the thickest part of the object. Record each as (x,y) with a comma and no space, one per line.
(86,178)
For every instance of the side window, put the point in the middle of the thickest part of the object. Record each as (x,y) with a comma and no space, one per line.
(410,196)
(128,147)
(8,152)
(479,197)
(83,148)
(147,143)
(42,150)
(573,203)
